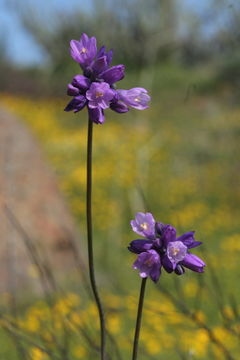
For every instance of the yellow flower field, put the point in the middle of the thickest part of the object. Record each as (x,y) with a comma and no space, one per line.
(180,164)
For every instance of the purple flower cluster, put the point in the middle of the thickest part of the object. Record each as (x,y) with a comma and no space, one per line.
(161,248)
(96,87)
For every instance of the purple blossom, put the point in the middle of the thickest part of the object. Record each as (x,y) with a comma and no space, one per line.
(137,98)
(99,95)
(97,83)
(176,252)
(149,264)
(161,248)
(144,224)
(84,50)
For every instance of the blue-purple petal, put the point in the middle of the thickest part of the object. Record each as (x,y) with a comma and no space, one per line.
(168,234)
(138,246)
(113,74)
(155,272)
(72,90)
(96,115)
(76,104)
(119,107)
(108,54)
(167,264)
(81,82)
(99,65)
(193,262)
(188,240)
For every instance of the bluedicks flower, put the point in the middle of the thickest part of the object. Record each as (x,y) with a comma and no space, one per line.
(96,87)
(162,248)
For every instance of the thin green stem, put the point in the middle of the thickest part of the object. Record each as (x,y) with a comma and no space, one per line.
(139,318)
(89,237)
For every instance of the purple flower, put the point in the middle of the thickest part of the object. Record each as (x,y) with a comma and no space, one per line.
(144,224)
(149,264)
(99,95)
(84,50)
(176,252)
(161,248)
(137,98)
(97,84)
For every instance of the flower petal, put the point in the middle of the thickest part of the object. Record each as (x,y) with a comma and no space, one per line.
(72,91)
(167,264)
(81,82)
(99,65)
(140,245)
(193,262)
(76,104)
(113,74)
(96,115)
(188,240)
(119,107)
(168,234)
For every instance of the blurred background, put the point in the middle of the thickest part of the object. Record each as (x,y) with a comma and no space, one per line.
(179,159)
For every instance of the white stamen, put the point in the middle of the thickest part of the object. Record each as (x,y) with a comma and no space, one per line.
(144,226)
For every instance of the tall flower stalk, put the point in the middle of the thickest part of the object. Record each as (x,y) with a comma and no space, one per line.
(95,90)
(139,319)
(89,238)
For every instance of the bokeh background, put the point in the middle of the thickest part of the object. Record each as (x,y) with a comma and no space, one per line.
(179,159)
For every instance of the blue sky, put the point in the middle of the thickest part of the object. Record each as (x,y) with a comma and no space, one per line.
(19,45)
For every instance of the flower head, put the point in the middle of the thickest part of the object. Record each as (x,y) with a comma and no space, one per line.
(97,84)
(161,248)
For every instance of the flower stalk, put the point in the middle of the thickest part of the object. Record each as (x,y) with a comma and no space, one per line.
(89,239)
(139,319)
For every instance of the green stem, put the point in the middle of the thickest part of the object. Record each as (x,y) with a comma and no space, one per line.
(139,318)
(89,237)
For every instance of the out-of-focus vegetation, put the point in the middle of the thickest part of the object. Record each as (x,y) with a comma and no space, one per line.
(179,160)
(146,33)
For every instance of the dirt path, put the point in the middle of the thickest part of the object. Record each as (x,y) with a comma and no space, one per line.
(29,188)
